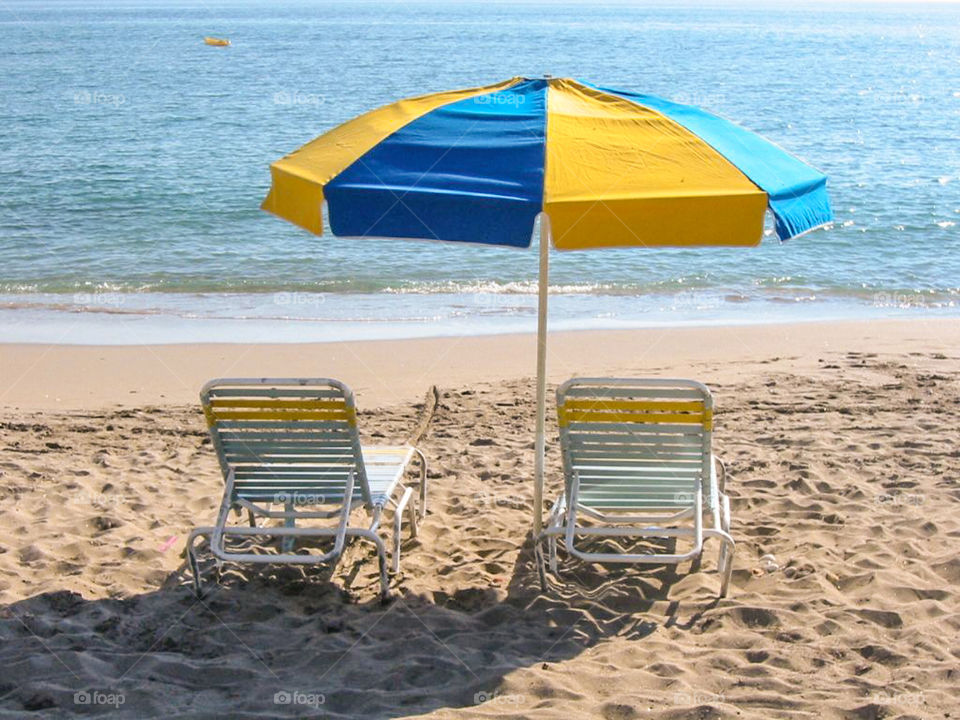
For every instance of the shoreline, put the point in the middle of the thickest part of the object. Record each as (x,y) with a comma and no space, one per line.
(298,317)
(393,372)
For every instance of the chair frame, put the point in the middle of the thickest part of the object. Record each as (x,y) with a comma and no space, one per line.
(673,519)
(288,497)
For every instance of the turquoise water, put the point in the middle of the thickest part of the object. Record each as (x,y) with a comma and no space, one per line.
(133,159)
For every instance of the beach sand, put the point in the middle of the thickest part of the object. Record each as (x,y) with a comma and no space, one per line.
(841,445)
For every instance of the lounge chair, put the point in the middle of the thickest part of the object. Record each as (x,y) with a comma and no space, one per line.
(638,463)
(294,443)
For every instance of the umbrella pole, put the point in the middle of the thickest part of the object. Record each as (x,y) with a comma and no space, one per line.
(541,376)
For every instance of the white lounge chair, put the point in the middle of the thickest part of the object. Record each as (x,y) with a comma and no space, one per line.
(638,463)
(294,443)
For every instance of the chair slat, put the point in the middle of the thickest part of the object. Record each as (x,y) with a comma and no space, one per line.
(322,415)
(638,474)
(299,495)
(298,485)
(682,500)
(263,424)
(633,392)
(287,436)
(278,473)
(666,494)
(236,458)
(638,483)
(634,430)
(282,448)
(640,437)
(278,404)
(627,416)
(271,392)
(635,405)
(634,454)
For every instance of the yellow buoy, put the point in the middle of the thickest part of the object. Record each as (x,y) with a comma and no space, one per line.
(219,42)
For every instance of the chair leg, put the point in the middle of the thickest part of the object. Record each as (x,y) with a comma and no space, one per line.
(727,569)
(395,555)
(384,579)
(192,562)
(556,512)
(722,553)
(195,573)
(725,561)
(287,543)
(725,526)
(401,506)
(413,520)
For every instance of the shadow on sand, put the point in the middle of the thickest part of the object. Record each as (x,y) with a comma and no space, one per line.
(279,642)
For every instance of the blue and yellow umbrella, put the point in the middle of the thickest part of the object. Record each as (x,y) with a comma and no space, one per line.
(610,168)
(598,167)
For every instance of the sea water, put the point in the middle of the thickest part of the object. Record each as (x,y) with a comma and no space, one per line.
(133,159)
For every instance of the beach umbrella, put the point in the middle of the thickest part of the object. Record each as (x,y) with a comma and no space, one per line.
(598,167)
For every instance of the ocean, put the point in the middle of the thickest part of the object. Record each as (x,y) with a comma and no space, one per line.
(133,159)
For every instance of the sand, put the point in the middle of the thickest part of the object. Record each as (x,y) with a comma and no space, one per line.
(841,444)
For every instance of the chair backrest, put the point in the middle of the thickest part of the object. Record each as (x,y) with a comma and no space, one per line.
(286,440)
(635,444)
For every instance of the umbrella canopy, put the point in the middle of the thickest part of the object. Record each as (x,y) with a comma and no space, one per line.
(610,168)
(599,167)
